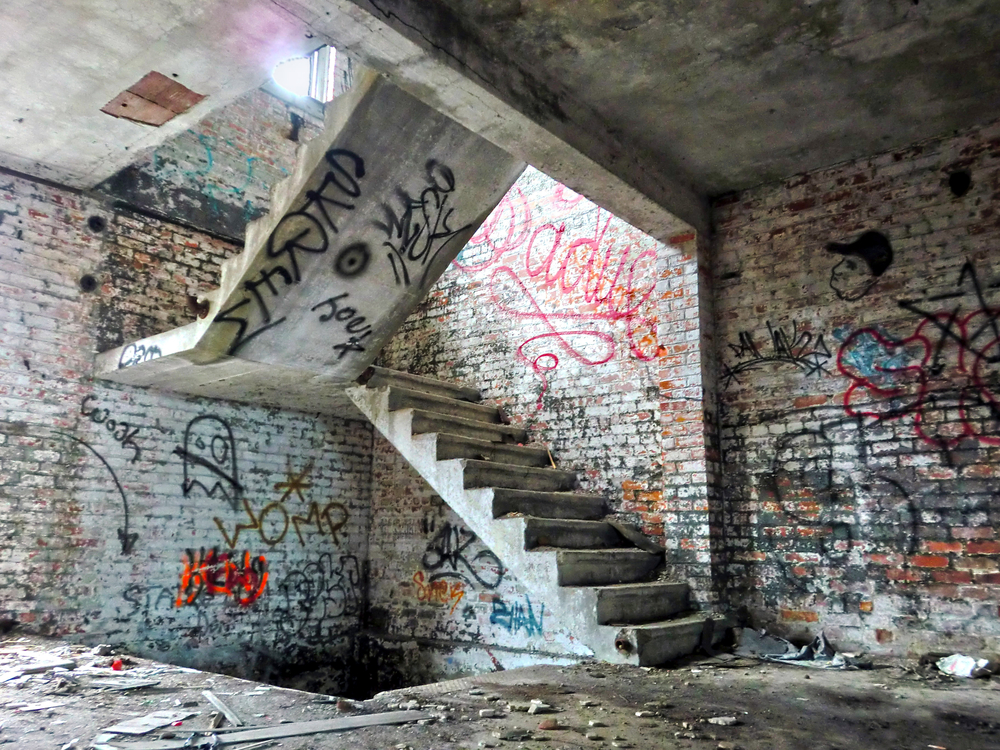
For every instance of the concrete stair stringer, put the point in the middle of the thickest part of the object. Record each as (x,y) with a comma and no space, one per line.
(571,607)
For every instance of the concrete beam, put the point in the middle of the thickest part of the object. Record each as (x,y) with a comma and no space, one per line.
(409,43)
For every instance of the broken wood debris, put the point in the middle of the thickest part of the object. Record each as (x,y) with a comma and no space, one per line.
(149,722)
(277,732)
(231,716)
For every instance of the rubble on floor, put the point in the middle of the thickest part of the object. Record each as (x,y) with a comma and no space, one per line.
(71,698)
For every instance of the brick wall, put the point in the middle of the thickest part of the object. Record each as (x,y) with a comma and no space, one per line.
(204,533)
(858,412)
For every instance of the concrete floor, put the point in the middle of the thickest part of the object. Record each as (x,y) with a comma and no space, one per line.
(892,707)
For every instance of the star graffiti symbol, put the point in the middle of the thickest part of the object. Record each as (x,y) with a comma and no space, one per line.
(294,482)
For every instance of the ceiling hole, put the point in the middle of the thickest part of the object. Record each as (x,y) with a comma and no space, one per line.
(97,223)
(88,283)
(959,182)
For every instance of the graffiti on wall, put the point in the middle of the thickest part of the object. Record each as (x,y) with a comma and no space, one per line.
(828,516)
(274,520)
(217,184)
(864,261)
(941,375)
(311,598)
(209,455)
(448,556)
(440,591)
(126,538)
(800,348)
(516,616)
(575,286)
(122,432)
(213,573)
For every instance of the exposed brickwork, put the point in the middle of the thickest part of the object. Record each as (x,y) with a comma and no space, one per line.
(218,174)
(76,454)
(858,413)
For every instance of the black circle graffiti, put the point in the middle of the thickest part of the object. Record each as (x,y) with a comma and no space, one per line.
(352,260)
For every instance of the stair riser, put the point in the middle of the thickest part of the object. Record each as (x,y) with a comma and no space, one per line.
(461,409)
(641,606)
(426,423)
(605,570)
(548,505)
(673,642)
(571,535)
(526,479)
(501,453)
(382,379)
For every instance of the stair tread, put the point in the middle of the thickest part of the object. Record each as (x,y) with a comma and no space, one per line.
(517,434)
(489,444)
(623,587)
(566,495)
(443,402)
(688,618)
(479,464)
(633,551)
(462,392)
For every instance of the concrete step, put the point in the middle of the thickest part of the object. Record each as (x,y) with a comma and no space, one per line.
(548,504)
(492,474)
(605,567)
(554,532)
(637,603)
(661,642)
(381,377)
(430,421)
(404,398)
(457,446)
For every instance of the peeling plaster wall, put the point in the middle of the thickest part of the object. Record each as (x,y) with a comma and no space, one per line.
(587,332)
(199,532)
(217,176)
(859,414)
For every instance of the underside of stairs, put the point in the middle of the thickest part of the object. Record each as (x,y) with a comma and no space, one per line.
(597,577)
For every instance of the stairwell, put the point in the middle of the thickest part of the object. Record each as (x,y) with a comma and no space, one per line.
(597,577)
(378,206)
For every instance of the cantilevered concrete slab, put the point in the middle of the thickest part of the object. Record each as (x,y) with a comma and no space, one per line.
(377,208)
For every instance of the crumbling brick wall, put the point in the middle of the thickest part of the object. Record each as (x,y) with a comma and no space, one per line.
(200,532)
(859,416)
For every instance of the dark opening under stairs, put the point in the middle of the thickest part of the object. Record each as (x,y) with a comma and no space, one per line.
(596,582)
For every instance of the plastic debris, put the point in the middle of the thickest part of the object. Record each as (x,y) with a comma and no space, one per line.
(817,655)
(960,665)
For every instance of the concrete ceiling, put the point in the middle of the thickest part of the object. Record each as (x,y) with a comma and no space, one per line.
(731,92)
(648,107)
(62,60)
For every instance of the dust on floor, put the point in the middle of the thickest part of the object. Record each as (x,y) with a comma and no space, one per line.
(755,706)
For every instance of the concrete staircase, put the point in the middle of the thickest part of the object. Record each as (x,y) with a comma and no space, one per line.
(378,205)
(596,577)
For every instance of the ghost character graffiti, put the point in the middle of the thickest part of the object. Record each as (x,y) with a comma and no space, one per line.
(209,454)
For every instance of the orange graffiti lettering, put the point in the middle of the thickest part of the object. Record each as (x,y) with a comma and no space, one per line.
(439,591)
(216,574)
